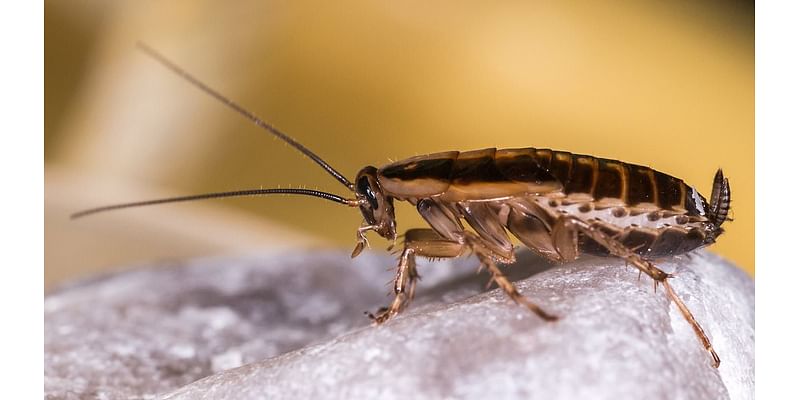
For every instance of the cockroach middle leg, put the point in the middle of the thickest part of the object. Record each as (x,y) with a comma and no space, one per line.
(568,226)
(502,281)
(428,243)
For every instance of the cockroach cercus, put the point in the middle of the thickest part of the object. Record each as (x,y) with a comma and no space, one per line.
(556,203)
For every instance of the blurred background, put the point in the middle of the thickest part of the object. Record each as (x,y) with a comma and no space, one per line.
(664,84)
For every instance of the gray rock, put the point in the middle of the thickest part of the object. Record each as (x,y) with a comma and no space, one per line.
(292,326)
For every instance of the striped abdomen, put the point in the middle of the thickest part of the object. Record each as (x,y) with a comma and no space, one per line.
(491,174)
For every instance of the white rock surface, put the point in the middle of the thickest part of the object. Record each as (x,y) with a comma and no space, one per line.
(292,326)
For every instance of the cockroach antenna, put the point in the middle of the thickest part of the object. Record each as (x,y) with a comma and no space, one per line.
(204,196)
(247,114)
(238,193)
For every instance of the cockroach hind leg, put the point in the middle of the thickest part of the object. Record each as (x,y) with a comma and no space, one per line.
(618,249)
(698,330)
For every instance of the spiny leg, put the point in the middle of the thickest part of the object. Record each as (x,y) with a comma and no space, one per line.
(428,243)
(423,242)
(502,281)
(698,330)
(405,284)
(565,238)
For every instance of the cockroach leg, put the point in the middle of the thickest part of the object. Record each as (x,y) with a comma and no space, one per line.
(535,194)
(698,330)
(428,243)
(567,223)
(486,258)
(511,290)
(422,242)
(618,249)
(405,284)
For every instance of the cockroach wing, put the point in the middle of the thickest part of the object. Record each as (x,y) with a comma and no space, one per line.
(480,175)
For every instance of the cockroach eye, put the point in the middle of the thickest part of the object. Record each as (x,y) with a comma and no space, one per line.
(365,190)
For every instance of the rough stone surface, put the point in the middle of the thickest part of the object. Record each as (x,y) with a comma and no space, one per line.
(292,326)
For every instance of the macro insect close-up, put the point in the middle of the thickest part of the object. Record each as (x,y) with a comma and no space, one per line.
(504,200)
(556,203)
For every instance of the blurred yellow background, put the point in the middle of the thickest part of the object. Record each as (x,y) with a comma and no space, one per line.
(665,84)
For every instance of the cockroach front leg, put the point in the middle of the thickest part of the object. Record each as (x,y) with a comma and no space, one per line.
(405,284)
(428,243)
(565,239)
(422,242)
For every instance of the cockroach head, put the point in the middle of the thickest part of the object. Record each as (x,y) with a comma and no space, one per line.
(377,208)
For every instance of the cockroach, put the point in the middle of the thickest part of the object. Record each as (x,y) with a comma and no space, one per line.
(558,204)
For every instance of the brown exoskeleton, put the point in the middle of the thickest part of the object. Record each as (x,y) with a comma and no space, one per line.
(556,203)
